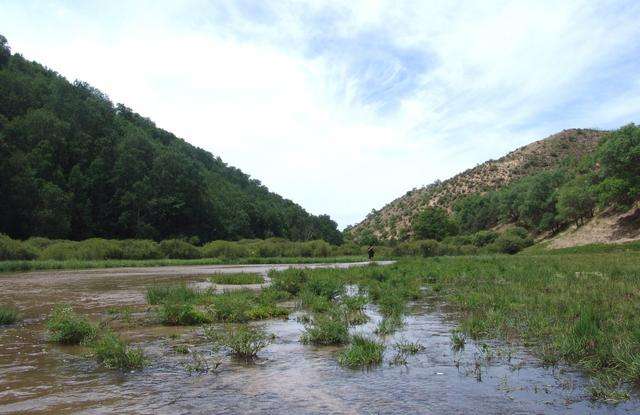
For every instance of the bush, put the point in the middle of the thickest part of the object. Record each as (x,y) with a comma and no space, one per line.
(224,249)
(362,352)
(8,315)
(66,327)
(290,280)
(179,249)
(11,249)
(114,353)
(326,330)
(483,238)
(242,341)
(140,249)
(511,242)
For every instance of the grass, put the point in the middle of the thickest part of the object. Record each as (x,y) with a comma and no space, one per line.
(114,353)
(33,265)
(409,348)
(8,315)
(326,329)
(240,278)
(66,327)
(362,352)
(158,294)
(242,341)
(458,341)
(181,314)
(245,305)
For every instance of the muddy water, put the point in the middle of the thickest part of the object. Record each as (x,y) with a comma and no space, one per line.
(37,377)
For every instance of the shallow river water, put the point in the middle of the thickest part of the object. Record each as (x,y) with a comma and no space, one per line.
(289,377)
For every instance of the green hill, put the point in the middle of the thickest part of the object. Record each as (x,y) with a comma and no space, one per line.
(74,165)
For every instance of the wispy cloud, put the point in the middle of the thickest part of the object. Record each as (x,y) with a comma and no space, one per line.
(343,106)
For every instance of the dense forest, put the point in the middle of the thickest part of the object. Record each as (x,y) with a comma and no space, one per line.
(74,165)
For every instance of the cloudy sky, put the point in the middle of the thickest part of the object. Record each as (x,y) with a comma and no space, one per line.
(344,106)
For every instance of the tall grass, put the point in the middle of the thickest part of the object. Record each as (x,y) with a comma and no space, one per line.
(242,340)
(67,327)
(240,278)
(114,353)
(362,352)
(8,315)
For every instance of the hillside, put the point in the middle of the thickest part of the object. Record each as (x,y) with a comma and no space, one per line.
(74,165)
(393,221)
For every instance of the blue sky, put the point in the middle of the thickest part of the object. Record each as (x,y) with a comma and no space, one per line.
(343,106)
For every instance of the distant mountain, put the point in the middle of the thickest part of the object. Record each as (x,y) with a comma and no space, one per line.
(394,220)
(73,165)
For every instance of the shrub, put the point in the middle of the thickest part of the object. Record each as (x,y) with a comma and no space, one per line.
(11,249)
(362,352)
(224,249)
(140,249)
(290,280)
(242,341)
(8,315)
(114,353)
(179,249)
(325,330)
(181,314)
(66,327)
(483,238)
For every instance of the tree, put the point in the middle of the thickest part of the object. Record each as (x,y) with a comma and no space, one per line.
(576,201)
(433,223)
(5,51)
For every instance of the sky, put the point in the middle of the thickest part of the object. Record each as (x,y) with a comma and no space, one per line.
(345,106)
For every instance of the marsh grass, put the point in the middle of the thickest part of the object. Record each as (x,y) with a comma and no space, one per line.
(181,314)
(157,294)
(458,341)
(245,305)
(8,315)
(326,329)
(408,347)
(389,325)
(242,340)
(241,278)
(67,327)
(363,352)
(114,353)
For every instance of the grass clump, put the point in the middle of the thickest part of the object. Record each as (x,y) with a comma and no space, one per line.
(237,278)
(8,315)
(409,348)
(362,352)
(458,341)
(181,314)
(66,327)
(175,293)
(114,353)
(241,341)
(326,329)
(389,325)
(245,305)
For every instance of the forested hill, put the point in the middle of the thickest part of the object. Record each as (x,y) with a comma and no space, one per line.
(530,179)
(73,165)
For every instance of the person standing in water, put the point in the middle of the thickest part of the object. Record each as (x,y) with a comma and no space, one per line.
(371,251)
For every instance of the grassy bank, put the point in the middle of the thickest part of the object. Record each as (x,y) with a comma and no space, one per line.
(34,265)
(575,309)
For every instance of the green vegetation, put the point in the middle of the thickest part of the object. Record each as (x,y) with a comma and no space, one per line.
(8,315)
(362,352)
(114,353)
(242,340)
(181,314)
(326,329)
(157,294)
(66,327)
(237,278)
(406,347)
(433,223)
(73,165)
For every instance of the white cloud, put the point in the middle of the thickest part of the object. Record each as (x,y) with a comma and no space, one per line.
(343,106)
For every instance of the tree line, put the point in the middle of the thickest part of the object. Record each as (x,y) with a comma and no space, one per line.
(73,165)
